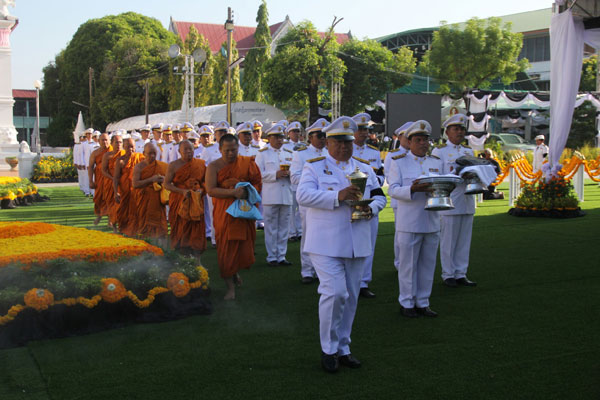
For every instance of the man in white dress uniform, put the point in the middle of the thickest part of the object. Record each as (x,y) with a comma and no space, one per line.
(338,248)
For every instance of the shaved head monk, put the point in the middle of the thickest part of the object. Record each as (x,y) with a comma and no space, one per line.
(185,179)
(235,236)
(109,160)
(151,213)
(123,188)
(97,179)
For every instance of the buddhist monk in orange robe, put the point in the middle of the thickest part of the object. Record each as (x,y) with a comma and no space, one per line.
(108,169)
(184,176)
(152,214)
(235,236)
(97,180)
(127,215)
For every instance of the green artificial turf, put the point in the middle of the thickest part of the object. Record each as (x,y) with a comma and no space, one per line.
(529,330)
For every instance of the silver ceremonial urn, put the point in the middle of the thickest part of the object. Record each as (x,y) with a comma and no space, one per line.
(359,179)
(474,184)
(439,199)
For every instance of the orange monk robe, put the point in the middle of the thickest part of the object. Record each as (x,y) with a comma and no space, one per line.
(186,232)
(110,191)
(235,236)
(100,204)
(127,215)
(151,213)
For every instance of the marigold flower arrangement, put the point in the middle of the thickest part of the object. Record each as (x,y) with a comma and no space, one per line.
(39,299)
(555,194)
(112,290)
(179,284)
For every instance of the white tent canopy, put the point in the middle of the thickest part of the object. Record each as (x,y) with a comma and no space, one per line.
(240,112)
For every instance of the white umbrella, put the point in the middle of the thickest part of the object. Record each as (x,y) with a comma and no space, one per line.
(79,128)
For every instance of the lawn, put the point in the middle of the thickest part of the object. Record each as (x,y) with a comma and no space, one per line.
(529,330)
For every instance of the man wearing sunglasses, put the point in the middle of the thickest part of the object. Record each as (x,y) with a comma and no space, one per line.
(317,140)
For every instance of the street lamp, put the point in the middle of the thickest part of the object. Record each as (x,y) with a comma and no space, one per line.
(37,85)
(199,56)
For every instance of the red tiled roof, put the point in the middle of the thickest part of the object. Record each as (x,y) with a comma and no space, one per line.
(243,35)
(23,93)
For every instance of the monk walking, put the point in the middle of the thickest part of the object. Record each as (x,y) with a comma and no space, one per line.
(235,236)
(123,187)
(108,169)
(97,179)
(184,176)
(151,213)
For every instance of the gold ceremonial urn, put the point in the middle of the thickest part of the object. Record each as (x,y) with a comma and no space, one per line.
(284,167)
(359,179)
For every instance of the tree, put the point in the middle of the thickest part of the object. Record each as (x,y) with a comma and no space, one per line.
(583,127)
(218,90)
(257,57)
(303,63)
(469,58)
(138,39)
(588,74)
(372,71)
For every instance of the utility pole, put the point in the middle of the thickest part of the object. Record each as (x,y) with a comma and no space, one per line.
(91,77)
(147,100)
(229,28)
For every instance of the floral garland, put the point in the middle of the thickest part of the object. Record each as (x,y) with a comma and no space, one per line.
(112,292)
(12,188)
(65,242)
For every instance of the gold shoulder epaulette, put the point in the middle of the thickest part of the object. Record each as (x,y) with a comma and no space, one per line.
(441,146)
(436,157)
(393,151)
(264,149)
(361,160)
(399,156)
(208,145)
(466,147)
(288,150)
(373,147)
(302,148)
(312,160)
(255,146)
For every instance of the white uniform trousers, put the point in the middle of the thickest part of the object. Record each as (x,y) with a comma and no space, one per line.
(80,174)
(339,283)
(368,271)
(85,181)
(295,219)
(277,225)
(306,269)
(396,252)
(213,235)
(455,245)
(207,216)
(417,256)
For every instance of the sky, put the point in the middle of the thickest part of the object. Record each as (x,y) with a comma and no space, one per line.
(46,27)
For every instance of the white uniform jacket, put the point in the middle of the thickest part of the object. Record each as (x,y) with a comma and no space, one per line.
(463,203)
(293,146)
(298,160)
(274,191)
(371,154)
(386,168)
(411,215)
(165,155)
(329,230)
(209,153)
(248,151)
(538,156)
(139,146)
(77,154)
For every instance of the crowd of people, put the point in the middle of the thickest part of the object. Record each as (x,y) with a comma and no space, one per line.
(185,178)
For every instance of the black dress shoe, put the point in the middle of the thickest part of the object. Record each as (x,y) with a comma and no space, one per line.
(409,312)
(465,282)
(349,361)
(307,280)
(330,362)
(366,293)
(273,263)
(427,312)
(284,262)
(450,282)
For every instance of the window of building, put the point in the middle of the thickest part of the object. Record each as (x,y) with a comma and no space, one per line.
(536,49)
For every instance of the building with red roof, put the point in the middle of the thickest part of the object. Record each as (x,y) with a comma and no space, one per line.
(243,35)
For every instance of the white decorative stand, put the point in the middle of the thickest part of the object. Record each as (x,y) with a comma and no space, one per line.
(8,134)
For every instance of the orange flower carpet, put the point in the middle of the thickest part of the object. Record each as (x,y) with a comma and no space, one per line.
(58,281)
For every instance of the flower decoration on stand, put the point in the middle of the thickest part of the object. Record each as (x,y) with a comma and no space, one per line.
(179,284)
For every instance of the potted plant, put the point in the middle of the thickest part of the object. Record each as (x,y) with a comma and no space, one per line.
(12,161)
